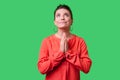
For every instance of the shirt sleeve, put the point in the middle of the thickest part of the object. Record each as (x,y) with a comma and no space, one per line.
(79,58)
(46,62)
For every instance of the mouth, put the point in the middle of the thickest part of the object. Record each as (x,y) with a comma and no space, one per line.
(62,22)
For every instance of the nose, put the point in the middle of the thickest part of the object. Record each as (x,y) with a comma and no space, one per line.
(62,18)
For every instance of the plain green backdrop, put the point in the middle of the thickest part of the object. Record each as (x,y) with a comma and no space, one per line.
(25,23)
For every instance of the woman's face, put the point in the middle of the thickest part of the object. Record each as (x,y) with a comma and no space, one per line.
(63,19)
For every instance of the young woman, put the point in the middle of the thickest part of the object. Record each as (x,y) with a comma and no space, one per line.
(63,54)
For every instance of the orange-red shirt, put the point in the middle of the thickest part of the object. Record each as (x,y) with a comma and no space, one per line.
(63,66)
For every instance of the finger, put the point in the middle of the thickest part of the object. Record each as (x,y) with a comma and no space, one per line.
(66,45)
(62,44)
(64,35)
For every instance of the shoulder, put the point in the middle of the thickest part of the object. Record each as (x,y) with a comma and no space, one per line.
(79,38)
(48,38)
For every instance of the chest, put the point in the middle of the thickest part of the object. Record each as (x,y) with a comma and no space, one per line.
(54,45)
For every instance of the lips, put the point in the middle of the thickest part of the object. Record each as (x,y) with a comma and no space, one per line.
(62,22)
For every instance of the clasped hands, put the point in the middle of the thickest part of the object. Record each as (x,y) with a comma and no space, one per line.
(64,43)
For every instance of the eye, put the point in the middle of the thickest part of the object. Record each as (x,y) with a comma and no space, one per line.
(67,15)
(58,15)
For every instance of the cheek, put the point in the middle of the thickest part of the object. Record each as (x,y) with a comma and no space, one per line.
(56,22)
(56,19)
(69,20)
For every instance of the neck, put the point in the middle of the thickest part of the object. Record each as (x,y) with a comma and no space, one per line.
(60,33)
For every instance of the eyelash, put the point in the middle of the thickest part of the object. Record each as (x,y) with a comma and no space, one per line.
(58,15)
(67,15)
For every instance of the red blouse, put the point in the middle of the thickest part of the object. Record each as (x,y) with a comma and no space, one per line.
(63,66)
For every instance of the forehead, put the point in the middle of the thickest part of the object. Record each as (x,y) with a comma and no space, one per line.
(62,11)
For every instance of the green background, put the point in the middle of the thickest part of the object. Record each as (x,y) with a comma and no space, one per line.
(24,24)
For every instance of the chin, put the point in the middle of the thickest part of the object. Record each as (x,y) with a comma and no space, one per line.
(63,27)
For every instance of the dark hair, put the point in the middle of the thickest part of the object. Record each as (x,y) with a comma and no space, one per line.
(63,7)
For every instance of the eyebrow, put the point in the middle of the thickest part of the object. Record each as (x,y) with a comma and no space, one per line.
(64,13)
